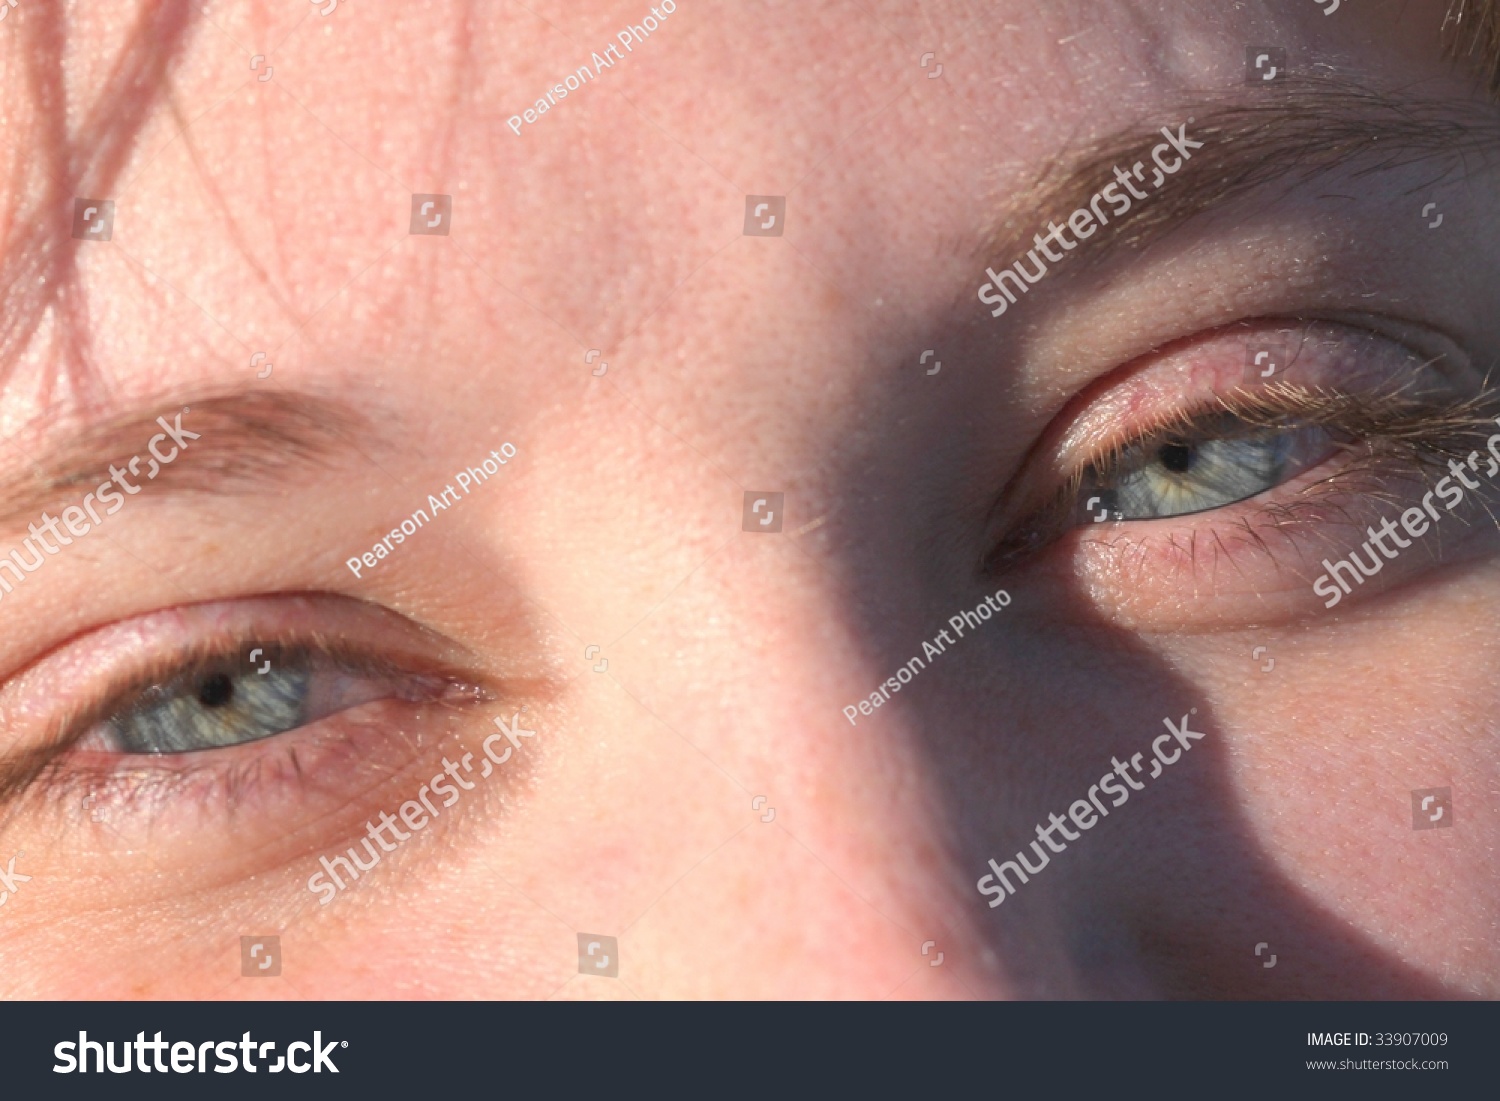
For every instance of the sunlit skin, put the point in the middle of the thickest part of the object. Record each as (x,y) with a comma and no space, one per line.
(279,224)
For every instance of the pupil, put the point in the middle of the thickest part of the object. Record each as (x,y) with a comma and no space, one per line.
(1176,457)
(215,690)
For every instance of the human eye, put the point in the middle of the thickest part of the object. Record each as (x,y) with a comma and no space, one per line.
(212,700)
(1210,461)
(161,730)
(1186,491)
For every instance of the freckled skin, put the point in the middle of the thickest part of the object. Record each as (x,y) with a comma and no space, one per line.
(742,363)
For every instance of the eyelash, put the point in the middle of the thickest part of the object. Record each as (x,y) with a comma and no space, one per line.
(53,768)
(1384,432)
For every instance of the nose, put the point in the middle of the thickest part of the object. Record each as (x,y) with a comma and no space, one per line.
(760,844)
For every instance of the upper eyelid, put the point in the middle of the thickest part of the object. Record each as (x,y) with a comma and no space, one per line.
(1352,345)
(1436,428)
(1195,425)
(325,617)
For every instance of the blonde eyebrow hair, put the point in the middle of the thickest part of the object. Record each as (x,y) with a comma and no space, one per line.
(1309,127)
(252,442)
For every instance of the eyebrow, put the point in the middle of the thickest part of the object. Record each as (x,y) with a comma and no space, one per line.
(248,441)
(1303,128)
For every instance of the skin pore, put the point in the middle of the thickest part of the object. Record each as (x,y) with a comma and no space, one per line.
(273,214)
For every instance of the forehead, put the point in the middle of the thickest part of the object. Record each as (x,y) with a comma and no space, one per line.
(277,170)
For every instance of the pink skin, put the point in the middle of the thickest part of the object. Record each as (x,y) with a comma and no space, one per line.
(740,363)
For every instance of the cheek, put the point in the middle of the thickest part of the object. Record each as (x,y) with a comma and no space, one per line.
(1326,750)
